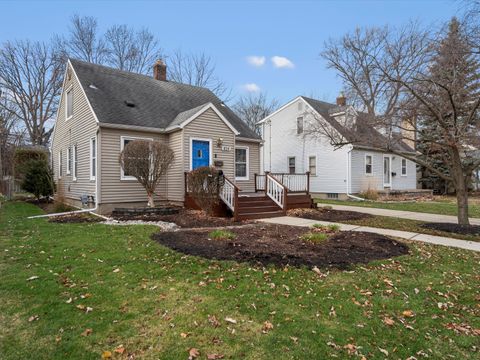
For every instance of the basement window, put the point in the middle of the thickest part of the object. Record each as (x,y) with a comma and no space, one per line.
(332,195)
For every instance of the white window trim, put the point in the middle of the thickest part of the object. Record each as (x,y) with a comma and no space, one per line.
(69,160)
(60,164)
(248,163)
(316,164)
(122,139)
(210,160)
(401,167)
(303,124)
(93,177)
(288,164)
(74,162)
(365,165)
(389,184)
(70,88)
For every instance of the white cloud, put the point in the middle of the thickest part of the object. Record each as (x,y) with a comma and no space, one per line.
(251,87)
(282,62)
(256,61)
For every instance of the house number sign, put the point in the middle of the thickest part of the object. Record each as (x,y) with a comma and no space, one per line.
(226,148)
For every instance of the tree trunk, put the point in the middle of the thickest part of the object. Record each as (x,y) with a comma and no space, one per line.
(462,203)
(150,202)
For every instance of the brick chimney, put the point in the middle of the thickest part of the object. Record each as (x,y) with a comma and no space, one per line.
(341,100)
(160,71)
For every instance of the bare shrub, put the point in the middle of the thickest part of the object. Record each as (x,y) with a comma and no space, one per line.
(369,194)
(147,161)
(204,185)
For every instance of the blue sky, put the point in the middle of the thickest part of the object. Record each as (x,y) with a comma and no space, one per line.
(231,31)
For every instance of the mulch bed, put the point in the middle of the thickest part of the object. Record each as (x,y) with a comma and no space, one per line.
(454,228)
(75,218)
(326,214)
(185,218)
(281,245)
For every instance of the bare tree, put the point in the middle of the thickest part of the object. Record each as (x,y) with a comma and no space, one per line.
(204,185)
(438,96)
(197,70)
(84,42)
(253,108)
(30,79)
(132,50)
(147,161)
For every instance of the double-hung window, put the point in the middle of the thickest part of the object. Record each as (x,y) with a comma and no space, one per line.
(291,165)
(312,165)
(93,158)
(300,125)
(404,167)
(124,140)
(69,160)
(241,163)
(75,163)
(60,165)
(368,165)
(69,103)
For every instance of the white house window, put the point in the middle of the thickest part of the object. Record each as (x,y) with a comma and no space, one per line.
(69,103)
(123,142)
(93,158)
(241,163)
(368,164)
(312,165)
(69,160)
(75,163)
(60,167)
(291,165)
(404,167)
(300,125)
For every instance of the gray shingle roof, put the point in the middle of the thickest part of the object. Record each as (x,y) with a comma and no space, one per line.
(156,104)
(362,134)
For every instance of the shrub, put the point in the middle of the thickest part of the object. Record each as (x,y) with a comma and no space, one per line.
(38,178)
(204,185)
(326,228)
(23,157)
(314,237)
(60,207)
(221,235)
(370,194)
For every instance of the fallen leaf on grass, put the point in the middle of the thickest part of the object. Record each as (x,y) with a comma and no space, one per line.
(106,354)
(213,321)
(87,332)
(69,301)
(214,356)
(408,313)
(463,329)
(352,349)
(116,270)
(388,321)
(193,353)
(294,339)
(184,335)
(33,278)
(383,351)
(33,318)
(230,320)
(267,326)
(119,349)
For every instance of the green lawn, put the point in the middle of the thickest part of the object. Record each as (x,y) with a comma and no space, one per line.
(157,303)
(446,207)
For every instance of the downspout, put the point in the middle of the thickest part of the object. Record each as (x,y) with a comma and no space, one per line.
(349,173)
(90,210)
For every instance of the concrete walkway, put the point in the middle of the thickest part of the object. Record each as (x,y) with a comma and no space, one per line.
(437,240)
(402,214)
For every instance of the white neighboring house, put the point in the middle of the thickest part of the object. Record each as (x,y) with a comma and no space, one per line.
(289,147)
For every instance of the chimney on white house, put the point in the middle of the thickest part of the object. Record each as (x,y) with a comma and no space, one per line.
(341,100)
(160,70)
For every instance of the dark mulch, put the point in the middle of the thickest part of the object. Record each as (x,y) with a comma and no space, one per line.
(50,207)
(326,214)
(454,228)
(75,218)
(281,245)
(185,218)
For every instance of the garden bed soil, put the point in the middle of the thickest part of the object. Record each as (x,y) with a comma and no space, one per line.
(75,218)
(326,214)
(50,207)
(281,245)
(185,218)
(454,228)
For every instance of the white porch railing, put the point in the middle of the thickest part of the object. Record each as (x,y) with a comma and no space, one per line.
(228,193)
(276,191)
(260,182)
(294,182)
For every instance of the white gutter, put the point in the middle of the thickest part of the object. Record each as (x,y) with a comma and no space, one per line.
(349,171)
(90,210)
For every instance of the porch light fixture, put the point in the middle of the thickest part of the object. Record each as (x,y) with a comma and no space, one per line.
(219,142)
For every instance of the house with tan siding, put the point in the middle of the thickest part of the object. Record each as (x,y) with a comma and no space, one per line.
(102,109)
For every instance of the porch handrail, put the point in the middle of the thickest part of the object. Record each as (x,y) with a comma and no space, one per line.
(260,182)
(294,182)
(229,195)
(276,191)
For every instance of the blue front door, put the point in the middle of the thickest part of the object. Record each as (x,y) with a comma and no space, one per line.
(200,153)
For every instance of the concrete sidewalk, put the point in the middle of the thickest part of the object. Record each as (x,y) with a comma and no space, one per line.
(401,214)
(431,239)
